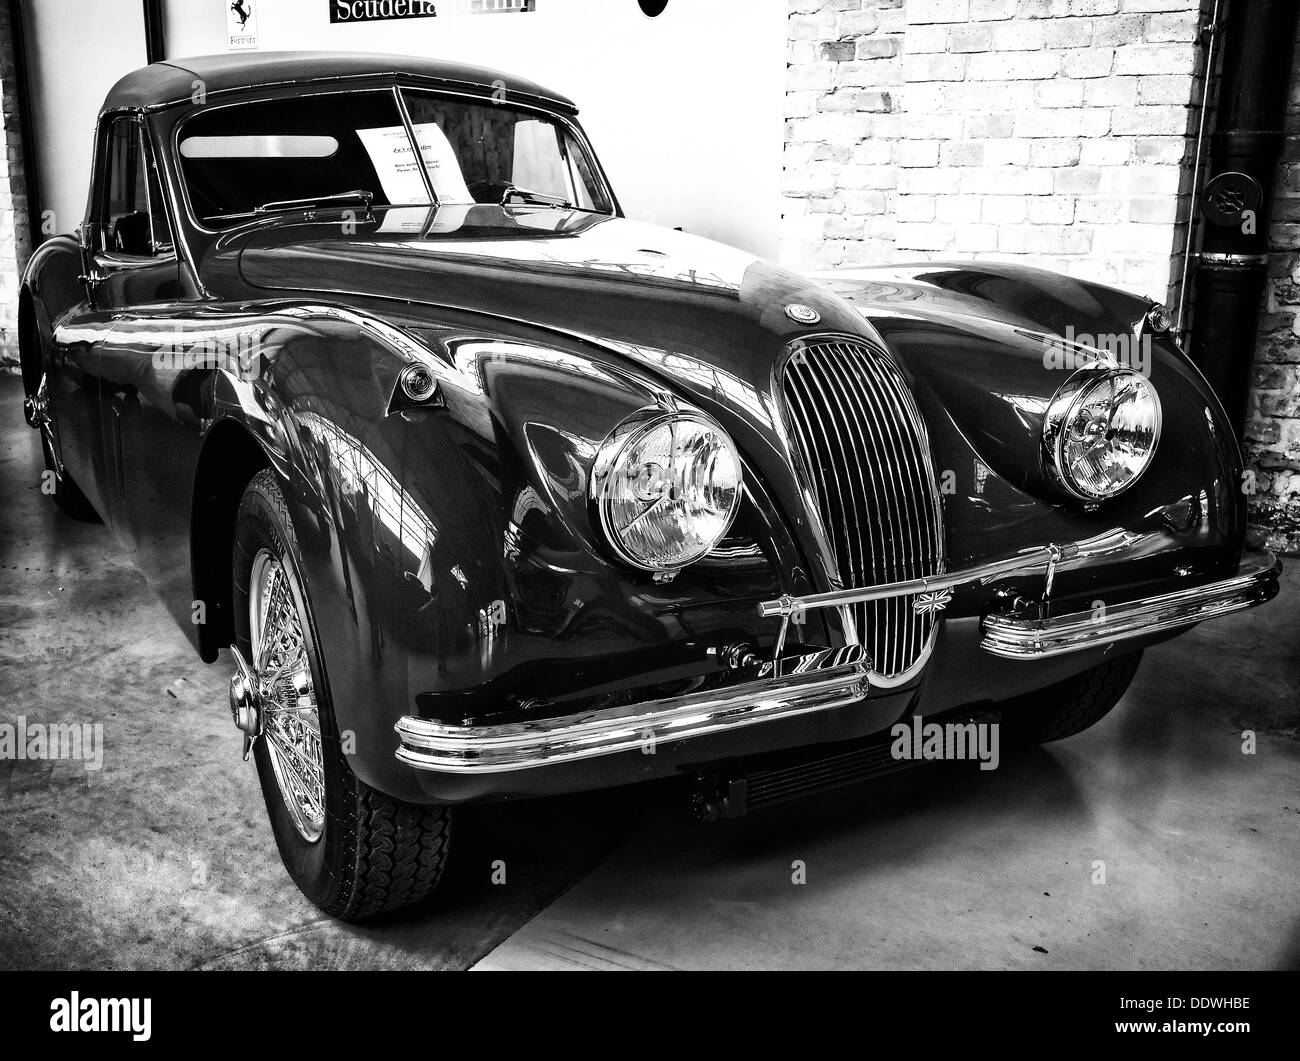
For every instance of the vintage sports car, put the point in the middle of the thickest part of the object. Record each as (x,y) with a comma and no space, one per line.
(490,492)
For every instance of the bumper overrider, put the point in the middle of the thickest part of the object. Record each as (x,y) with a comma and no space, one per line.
(784,687)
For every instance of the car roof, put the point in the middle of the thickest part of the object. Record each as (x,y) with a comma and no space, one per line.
(164,84)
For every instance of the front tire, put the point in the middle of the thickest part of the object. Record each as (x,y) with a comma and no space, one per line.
(352,850)
(1071,706)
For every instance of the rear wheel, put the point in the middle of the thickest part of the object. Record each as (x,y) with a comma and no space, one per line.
(352,850)
(1071,706)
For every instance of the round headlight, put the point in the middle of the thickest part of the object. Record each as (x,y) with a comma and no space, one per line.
(1101,431)
(665,488)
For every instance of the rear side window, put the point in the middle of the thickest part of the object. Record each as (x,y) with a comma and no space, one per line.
(131,219)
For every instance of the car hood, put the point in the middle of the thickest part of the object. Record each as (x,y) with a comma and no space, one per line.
(675,302)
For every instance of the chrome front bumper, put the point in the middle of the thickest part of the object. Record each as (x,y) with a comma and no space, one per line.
(1024,637)
(831,678)
(820,682)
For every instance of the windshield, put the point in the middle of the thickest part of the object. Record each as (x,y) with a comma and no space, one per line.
(349,149)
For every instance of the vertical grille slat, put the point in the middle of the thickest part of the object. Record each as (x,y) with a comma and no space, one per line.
(865,454)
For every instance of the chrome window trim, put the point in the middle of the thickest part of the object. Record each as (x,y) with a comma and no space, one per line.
(369,83)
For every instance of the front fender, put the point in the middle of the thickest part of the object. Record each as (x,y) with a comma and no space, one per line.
(447,549)
(987,347)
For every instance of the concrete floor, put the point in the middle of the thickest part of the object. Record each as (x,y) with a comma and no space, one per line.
(164,859)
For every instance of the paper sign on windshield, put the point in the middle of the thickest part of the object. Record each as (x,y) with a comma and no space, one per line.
(390,153)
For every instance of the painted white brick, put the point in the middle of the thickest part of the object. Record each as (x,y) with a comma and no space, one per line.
(1162,150)
(934,67)
(1158,5)
(1153,211)
(915,207)
(1003,209)
(1067,33)
(866,203)
(1006,152)
(1076,180)
(960,210)
(926,182)
(1086,62)
(980,180)
(877,75)
(932,237)
(1013,66)
(982,10)
(1018,35)
(1141,180)
(1060,92)
(1112,151)
(1050,210)
(1045,239)
(1111,92)
(1173,26)
(1043,8)
(1083,122)
(932,127)
(820,26)
(857,23)
(872,153)
(1094,7)
(962,153)
(1064,152)
(921,40)
(1155,120)
(810,76)
(878,177)
(918,152)
(1164,88)
(968,38)
(1112,32)
(937,10)
(989,126)
(1155,59)
(976,239)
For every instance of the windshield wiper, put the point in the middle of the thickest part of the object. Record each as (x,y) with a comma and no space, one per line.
(532,198)
(281,206)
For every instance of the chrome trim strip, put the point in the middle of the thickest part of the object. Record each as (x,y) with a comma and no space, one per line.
(454,749)
(1026,562)
(1016,637)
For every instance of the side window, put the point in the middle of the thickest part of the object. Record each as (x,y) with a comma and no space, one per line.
(132,220)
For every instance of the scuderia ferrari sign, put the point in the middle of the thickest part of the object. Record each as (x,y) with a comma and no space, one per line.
(385,10)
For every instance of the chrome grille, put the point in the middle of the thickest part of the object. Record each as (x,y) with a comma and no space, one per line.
(865,456)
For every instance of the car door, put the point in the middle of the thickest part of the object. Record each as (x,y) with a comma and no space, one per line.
(151,423)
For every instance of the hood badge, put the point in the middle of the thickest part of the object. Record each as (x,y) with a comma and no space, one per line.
(802,314)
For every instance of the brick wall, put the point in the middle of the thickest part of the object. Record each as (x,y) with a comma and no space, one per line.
(15,236)
(1058,132)
(1273,429)
(1051,131)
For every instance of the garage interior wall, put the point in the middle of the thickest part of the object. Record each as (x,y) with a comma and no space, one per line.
(684,110)
(15,233)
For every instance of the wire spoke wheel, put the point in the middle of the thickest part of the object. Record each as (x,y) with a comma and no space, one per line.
(352,849)
(291,726)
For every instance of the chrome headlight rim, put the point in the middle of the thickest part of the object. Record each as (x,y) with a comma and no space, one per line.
(609,456)
(1061,410)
